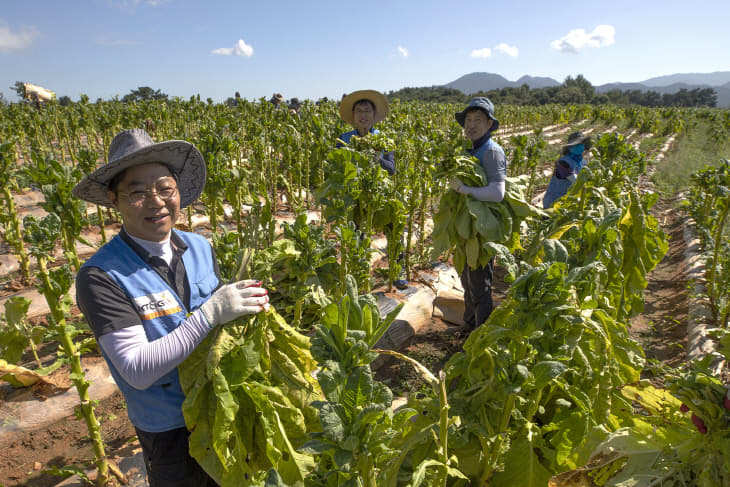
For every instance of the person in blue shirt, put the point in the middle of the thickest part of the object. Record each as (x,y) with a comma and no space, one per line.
(479,123)
(363,109)
(567,168)
(153,293)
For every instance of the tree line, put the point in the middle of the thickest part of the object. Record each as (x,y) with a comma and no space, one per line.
(572,91)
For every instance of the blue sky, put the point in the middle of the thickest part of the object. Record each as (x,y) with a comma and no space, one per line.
(105,48)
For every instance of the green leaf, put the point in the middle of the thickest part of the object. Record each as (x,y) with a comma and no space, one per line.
(544,372)
(358,390)
(522,467)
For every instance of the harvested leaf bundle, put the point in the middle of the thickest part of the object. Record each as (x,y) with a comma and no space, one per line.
(469,227)
(247,392)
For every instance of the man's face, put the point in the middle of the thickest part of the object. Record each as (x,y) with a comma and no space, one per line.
(142,198)
(363,115)
(476,124)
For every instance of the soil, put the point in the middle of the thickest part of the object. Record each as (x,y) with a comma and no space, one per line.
(661,329)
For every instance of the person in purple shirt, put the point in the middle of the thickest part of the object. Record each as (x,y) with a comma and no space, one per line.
(567,168)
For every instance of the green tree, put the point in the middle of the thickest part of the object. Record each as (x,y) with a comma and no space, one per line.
(19,88)
(144,93)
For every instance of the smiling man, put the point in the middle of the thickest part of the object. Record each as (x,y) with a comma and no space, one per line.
(152,293)
(363,109)
(479,123)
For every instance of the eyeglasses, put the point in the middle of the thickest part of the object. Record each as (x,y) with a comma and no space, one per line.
(136,197)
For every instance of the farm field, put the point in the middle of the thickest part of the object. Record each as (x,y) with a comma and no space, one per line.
(618,267)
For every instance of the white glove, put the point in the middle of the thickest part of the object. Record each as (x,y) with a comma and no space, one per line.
(456,184)
(572,178)
(233,300)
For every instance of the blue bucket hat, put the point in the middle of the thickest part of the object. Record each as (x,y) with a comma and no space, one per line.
(482,103)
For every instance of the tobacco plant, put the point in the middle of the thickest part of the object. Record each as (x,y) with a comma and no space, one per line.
(301,271)
(10,220)
(42,236)
(357,420)
(56,182)
(17,334)
(248,388)
(709,206)
(467,227)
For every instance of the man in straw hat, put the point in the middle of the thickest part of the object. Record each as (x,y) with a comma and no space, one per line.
(363,109)
(567,168)
(152,293)
(479,123)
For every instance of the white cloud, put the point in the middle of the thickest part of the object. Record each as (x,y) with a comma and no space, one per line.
(508,50)
(402,51)
(239,49)
(577,39)
(18,40)
(485,52)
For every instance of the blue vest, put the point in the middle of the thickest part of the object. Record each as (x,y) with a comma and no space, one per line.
(159,407)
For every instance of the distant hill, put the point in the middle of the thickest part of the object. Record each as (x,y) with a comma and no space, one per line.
(719,81)
(476,82)
(718,78)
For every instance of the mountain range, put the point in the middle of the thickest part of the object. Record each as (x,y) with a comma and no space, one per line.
(719,81)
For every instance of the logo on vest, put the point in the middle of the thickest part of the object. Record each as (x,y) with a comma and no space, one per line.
(155,305)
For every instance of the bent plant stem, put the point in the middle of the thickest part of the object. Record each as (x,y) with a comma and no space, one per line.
(501,434)
(77,376)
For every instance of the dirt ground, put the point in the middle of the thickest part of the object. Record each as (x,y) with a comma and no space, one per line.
(661,329)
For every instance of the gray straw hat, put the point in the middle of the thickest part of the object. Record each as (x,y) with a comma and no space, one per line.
(135,147)
(481,103)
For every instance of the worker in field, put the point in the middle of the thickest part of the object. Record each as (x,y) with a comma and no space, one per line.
(479,123)
(276,99)
(152,293)
(567,167)
(362,110)
(294,106)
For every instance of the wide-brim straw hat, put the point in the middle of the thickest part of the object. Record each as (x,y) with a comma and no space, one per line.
(378,99)
(578,138)
(481,103)
(135,147)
